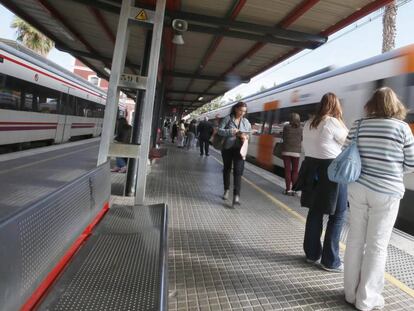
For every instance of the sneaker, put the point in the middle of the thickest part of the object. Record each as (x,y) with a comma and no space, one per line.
(226,194)
(236,200)
(312,262)
(337,270)
(115,169)
(380,307)
(201,154)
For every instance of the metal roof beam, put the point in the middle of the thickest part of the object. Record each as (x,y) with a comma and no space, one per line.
(191,93)
(186,75)
(250,28)
(78,53)
(276,32)
(251,36)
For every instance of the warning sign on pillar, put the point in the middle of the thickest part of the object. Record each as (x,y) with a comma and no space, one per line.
(142,15)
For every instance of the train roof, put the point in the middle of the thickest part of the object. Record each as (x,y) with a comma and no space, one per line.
(32,57)
(318,75)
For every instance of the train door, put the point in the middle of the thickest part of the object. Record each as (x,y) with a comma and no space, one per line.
(61,120)
(266,139)
(68,109)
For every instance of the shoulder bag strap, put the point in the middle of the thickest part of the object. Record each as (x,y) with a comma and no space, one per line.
(355,138)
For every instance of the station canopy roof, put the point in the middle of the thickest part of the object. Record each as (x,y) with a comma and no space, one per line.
(227,41)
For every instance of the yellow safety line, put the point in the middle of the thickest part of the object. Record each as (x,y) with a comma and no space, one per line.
(283,206)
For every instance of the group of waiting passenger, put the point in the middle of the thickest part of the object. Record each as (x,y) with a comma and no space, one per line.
(386,146)
(187,133)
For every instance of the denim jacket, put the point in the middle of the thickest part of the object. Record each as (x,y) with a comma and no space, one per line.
(225,127)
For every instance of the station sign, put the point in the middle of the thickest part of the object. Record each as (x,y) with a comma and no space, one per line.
(142,15)
(133,82)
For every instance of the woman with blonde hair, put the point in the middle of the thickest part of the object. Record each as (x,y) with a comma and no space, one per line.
(291,149)
(323,137)
(386,147)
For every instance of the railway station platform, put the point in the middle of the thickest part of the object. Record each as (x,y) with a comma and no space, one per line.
(250,257)
(219,258)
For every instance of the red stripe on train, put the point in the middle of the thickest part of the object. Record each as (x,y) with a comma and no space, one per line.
(25,128)
(27,123)
(49,75)
(82,126)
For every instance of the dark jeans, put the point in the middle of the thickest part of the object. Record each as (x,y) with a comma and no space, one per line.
(291,170)
(232,156)
(329,254)
(204,145)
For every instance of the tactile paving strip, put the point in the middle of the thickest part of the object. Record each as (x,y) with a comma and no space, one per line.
(248,258)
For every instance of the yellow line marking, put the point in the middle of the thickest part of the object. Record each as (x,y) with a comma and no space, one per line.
(44,160)
(283,206)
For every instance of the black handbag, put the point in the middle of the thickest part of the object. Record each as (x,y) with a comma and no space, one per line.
(277,150)
(218,141)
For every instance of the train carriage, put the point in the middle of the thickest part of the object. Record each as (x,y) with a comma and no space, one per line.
(354,84)
(40,101)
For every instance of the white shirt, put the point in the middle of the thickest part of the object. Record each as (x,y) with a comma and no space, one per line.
(324,142)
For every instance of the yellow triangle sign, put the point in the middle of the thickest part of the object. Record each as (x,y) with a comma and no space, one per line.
(141,16)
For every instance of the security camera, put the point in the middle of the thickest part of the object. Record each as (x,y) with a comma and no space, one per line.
(179,25)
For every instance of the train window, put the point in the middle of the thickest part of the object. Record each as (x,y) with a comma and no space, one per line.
(9,99)
(256,121)
(10,95)
(28,102)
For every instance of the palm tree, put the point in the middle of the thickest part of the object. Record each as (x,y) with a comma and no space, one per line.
(388,27)
(31,37)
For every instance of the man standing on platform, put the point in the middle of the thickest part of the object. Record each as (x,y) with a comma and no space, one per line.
(204,132)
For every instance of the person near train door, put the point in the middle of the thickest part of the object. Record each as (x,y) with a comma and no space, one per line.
(386,146)
(236,129)
(123,136)
(204,132)
(291,148)
(181,134)
(323,137)
(191,134)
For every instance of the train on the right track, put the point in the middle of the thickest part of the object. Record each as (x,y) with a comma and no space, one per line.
(354,84)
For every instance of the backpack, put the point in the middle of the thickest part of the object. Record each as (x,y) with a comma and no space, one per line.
(346,167)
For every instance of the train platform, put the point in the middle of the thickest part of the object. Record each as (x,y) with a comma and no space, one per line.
(27,176)
(250,257)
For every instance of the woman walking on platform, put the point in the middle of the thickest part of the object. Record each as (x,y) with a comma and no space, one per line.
(236,128)
(291,149)
(323,137)
(386,147)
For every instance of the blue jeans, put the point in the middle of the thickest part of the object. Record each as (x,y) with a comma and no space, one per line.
(329,253)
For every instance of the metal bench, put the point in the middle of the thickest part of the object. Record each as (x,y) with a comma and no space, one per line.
(122,266)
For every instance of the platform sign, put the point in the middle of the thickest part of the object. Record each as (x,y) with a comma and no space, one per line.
(133,81)
(142,15)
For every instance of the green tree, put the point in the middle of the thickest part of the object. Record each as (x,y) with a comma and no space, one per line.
(31,37)
(389,28)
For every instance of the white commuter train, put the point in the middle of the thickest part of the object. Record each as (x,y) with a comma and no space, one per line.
(40,101)
(353,84)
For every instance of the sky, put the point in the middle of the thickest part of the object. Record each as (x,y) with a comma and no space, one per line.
(356,42)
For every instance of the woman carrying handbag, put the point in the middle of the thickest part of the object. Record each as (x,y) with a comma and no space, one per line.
(386,147)
(235,129)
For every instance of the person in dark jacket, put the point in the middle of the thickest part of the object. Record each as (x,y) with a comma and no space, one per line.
(323,137)
(291,149)
(123,136)
(174,132)
(204,132)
